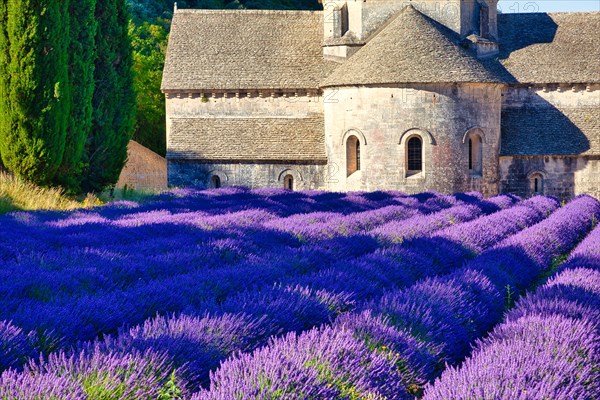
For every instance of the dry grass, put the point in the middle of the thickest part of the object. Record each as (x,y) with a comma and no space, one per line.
(16,194)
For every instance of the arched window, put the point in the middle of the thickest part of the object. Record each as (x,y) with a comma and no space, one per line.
(536,183)
(352,155)
(288,182)
(414,154)
(475,155)
(215,182)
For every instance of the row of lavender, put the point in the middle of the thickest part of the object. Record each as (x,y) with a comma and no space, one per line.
(300,303)
(517,217)
(547,348)
(302,297)
(403,340)
(286,308)
(78,296)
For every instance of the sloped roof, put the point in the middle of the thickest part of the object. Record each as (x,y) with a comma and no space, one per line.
(549,48)
(245,49)
(411,48)
(258,139)
(546,130)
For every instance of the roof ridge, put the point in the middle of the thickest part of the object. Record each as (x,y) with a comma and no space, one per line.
(411,48)
(244,11)
(387,23)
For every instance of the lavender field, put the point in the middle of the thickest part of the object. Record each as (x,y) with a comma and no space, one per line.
(272,294)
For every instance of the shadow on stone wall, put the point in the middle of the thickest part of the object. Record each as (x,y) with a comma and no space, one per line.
(538,136)
(542,137)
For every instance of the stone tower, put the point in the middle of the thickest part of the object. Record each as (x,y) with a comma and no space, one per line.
(412,110)
(348,25)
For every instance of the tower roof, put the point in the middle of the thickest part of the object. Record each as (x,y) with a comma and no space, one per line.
(411,48)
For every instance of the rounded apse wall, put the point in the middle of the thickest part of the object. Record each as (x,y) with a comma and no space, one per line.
(385,120)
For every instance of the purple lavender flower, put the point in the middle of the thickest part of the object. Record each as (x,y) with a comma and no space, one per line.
(530,358)
(16,346)
(321,363)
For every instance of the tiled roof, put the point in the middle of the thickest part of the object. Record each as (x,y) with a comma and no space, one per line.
(245,49)
(258,139)
(550,131)
(549,48)
(412,48)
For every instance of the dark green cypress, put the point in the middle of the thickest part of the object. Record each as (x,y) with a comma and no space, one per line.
(35,88)
(82,57)
(4,49)
(114,97)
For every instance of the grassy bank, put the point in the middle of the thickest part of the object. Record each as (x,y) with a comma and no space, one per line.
(19,195)
(16,194)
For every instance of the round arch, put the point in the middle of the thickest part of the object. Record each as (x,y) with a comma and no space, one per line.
(425,135)
(474,131)
(537,181)
(354,132)
(222,175)
(289,171)
(530,174)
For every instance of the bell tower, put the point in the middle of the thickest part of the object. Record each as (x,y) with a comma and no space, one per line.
(349,24)
(465,17)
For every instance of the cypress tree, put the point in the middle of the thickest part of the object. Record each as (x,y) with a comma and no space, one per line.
(113,117)
(82,56)
(3,77)
(35,89)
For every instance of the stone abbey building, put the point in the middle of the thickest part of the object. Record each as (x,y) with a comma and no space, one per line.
(443,95)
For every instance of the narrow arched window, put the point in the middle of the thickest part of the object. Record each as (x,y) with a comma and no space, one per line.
(475,155)
(414,154)
(537,183)
(352,155)
(215,182)
(288,182)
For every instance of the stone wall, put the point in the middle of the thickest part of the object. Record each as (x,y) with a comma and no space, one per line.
(563,177)
(566,175)
(385,118)
(144,170)
(230,106)
(263,104)
(249,174)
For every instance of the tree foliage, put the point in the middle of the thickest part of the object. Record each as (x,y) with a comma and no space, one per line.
(149,42)
(34,87)
(82,56)
(113,102)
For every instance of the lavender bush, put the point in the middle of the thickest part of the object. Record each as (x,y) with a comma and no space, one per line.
(444,313)
(145,300)
(549,345)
